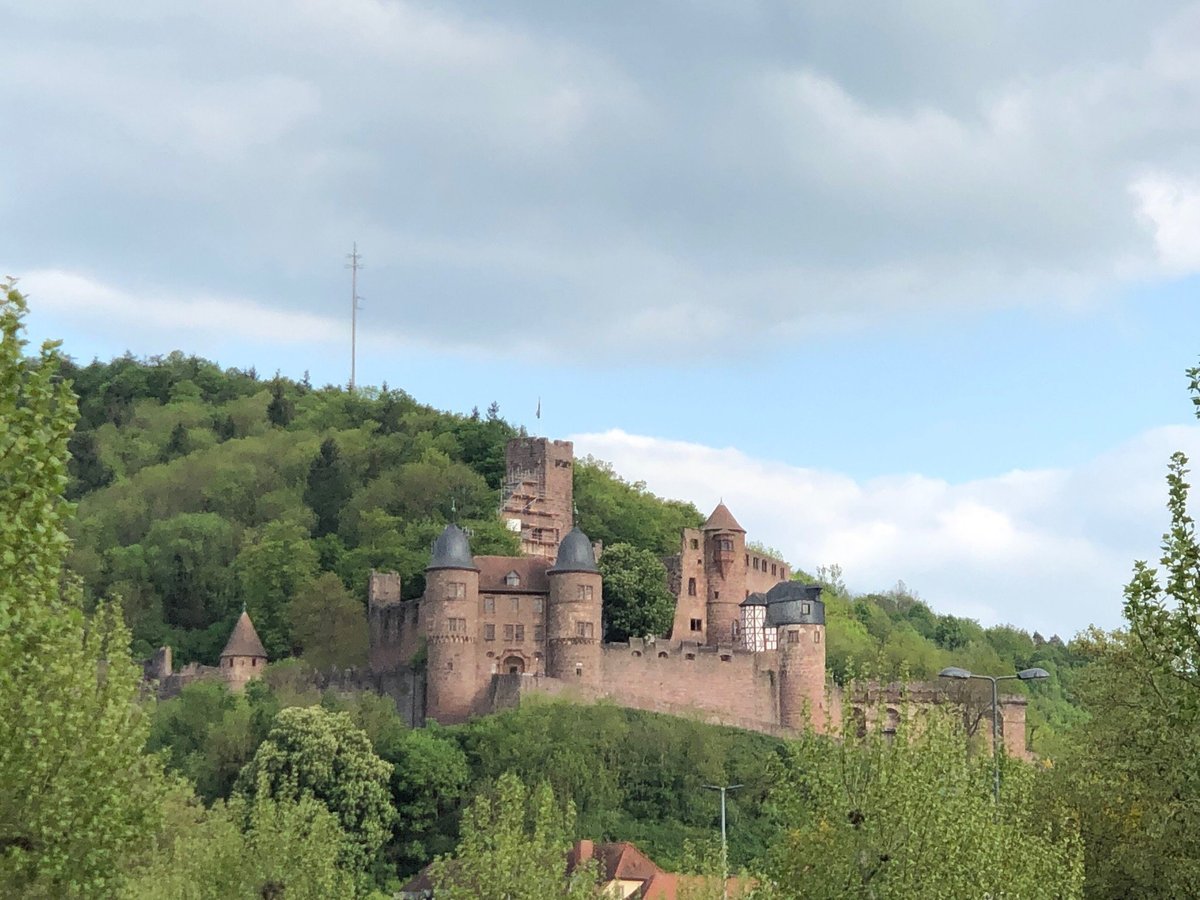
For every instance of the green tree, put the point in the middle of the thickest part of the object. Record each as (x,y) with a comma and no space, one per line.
(264,848)
(272,568)
(77,796)
(328,488)
(314,752)
(912,817)
(637,602)
(281,410)
(514,844)
(328,625)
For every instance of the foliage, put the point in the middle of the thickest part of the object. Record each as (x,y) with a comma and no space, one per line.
(615,511)
(514,843)
(636,600)
(913,817)
(314,752)
(264,848)
(76,794)
(328,626)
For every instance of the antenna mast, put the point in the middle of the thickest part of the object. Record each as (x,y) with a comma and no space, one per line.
(354,265)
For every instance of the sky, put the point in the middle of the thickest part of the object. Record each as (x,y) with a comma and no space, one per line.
(908,285)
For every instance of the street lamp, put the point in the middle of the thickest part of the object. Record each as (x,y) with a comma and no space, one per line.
(724,845)
(1024,675)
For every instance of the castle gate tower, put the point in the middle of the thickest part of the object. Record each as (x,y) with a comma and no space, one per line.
(538,500)
(725,572)
(797,613)
(451,615)
(573,626)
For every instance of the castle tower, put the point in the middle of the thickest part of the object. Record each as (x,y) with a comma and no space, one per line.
(725,573)
(797,613)
(573,629)
(244,656)
(538,500)
(451,616)
(385,621)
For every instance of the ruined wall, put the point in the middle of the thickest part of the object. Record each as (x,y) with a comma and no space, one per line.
(735,686)
(687,581)
(762,572)
(404,686)
(539,491)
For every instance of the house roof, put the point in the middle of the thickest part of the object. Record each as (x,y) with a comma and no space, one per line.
(722,520)
(244,639)
(451,550)
(531,570)
(575,553)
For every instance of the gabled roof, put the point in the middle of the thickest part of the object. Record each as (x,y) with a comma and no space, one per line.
(244,639)
(722,520)
(530,569)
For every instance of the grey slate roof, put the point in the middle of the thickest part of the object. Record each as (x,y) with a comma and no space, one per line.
(575,553)
(451,550)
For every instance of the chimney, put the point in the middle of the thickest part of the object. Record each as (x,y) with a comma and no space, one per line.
(584,851)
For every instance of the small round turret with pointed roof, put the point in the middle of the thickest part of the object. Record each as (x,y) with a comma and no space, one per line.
(575,554)
(722,520)
(452,550)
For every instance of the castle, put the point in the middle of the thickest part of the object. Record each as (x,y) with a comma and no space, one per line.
(746,646)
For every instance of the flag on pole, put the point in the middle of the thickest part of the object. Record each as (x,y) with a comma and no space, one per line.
(539,409)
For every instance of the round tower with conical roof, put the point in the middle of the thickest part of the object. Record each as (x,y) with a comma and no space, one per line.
(450,610)
(244,656)
(725,572)
(573,625)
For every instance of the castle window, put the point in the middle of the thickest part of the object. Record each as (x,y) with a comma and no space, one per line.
(691,587)
(773,567)
(539,605)
(583,592)
(516,604)
(456,590)
(726,545)
(450,666)
(489,632)
(816,637)
(584,629)
(508,632)
(520,634)
(716,595)
(662,654)
(733,629)
(539,632)
(512,579)
(725,657)
(456,625)
(489,604)
(637,652)
(805,609)
(578,670)
(793,636)
(697,624)
(689,656)
(695,545)
(756,564)
(747,559)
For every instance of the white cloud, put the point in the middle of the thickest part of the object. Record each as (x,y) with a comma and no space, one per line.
(1171,206)
(1049,550)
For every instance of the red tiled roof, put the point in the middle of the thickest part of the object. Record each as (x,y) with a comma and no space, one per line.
(530,569)
(722,520)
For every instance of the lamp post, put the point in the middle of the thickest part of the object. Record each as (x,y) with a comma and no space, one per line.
(1023,675)
(724,845)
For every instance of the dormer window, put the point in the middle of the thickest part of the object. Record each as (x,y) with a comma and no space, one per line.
(512,579)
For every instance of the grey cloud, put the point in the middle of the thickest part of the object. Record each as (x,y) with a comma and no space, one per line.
(639,170)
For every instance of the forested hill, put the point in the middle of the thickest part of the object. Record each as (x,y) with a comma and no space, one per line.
(202,489)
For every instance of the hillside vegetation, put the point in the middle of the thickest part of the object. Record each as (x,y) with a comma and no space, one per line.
(203,489)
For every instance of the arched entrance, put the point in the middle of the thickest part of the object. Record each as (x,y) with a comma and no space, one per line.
(514,665)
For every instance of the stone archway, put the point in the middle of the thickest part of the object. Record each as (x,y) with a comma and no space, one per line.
(514,665)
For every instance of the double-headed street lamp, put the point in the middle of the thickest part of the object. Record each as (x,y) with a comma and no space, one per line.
(1023,675)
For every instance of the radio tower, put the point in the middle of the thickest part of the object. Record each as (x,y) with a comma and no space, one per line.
(354,265)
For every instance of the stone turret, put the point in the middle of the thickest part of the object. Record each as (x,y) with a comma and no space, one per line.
(451,616)
(385,622)
(725,571)
(244,656)
(573,624)
(797,614)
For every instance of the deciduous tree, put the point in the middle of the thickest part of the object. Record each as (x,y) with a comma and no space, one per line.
(637,602)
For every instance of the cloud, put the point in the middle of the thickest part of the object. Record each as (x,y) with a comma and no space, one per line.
(819,169)
(1047,550)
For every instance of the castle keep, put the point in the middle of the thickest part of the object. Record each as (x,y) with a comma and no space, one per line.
(746,646)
